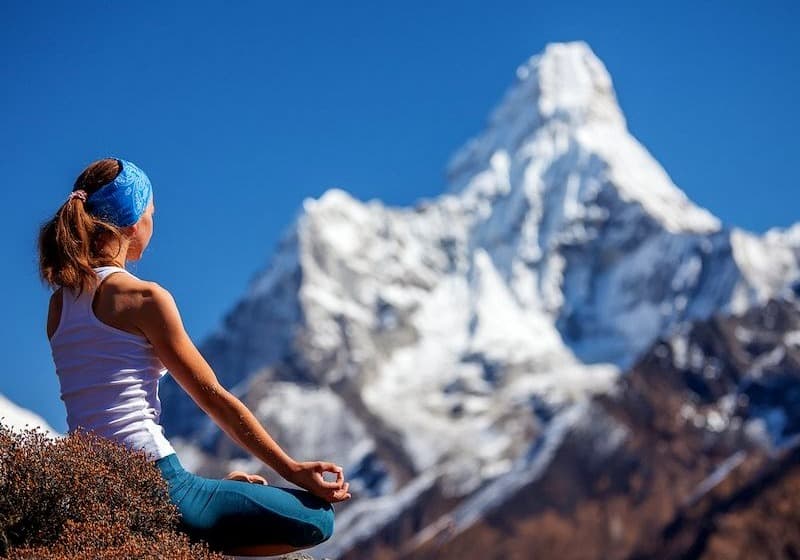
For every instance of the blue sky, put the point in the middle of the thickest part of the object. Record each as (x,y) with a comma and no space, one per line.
(240,110)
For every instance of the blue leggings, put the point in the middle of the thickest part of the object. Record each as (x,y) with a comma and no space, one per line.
(231,513)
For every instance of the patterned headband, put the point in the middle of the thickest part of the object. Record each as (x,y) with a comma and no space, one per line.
(122,201)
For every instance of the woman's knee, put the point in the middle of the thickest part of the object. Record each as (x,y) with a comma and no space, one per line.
(327,522)
(319,528)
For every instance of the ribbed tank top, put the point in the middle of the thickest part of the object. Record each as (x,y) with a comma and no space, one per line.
(108,377)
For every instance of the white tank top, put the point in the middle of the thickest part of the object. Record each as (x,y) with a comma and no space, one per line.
(109,377)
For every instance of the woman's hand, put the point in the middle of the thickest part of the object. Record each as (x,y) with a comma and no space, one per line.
(308,475)
(244,477)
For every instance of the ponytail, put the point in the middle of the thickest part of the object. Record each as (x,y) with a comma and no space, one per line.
(74,241)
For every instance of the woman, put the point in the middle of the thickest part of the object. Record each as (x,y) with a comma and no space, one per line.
(113,336)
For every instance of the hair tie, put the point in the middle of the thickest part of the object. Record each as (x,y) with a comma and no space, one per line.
(80,193)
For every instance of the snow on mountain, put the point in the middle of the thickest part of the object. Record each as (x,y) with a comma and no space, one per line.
(19,418)
(453,334)
(766,263)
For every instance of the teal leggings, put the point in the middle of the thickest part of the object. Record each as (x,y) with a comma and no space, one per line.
(230,513)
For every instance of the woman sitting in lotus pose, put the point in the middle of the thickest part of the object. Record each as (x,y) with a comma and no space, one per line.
(114,335)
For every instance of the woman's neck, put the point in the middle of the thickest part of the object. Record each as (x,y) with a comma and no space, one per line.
(120,251)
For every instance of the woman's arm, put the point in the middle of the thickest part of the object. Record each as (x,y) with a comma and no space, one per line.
(162,324)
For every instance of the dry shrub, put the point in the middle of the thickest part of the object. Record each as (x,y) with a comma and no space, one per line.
(85,496)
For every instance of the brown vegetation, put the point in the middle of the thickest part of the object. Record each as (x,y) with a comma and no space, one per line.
(85,496)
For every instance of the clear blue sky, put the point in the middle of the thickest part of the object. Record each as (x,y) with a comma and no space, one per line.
(240,110)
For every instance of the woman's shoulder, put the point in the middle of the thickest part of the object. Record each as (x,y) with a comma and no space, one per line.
(126,302)
(126,292)
(141,293)
(148,305)
(124,283)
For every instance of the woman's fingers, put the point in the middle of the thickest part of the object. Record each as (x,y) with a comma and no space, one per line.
(244,477)
(329,467)
(236,475)
(332,467)
(342,494)
(332,491)
(333,485)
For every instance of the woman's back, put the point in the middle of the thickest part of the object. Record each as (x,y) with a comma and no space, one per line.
(108,376)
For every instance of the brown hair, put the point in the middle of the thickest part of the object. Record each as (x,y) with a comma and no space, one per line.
(74,241)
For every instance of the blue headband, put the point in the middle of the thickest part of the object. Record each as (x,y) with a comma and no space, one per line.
(123,200)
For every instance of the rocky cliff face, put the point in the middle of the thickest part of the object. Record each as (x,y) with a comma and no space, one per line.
(694,455)
(453,353)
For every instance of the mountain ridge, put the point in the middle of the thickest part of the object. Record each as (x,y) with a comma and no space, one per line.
(448,337)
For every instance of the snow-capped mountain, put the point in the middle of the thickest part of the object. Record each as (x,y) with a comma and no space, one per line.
(436,350)
(19,418)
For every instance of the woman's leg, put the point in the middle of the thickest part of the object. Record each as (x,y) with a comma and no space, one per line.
(246,519)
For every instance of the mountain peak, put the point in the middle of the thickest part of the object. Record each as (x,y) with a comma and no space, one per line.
(566,82)
(560,120)
(565,87)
